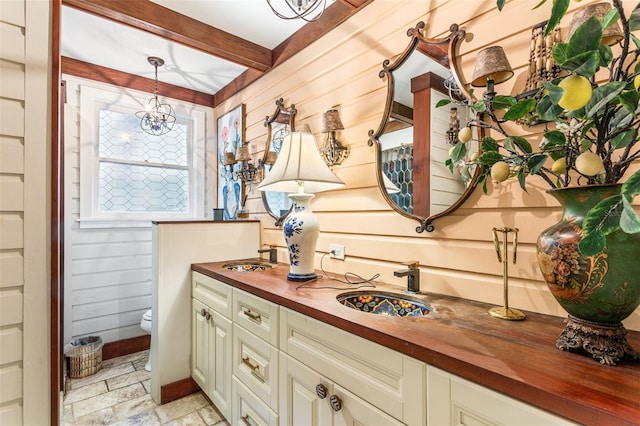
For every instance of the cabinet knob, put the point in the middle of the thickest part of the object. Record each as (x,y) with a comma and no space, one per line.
(203,312)
(207,316)
(335,402)
(321,391)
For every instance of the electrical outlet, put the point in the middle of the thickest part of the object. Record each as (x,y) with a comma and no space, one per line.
(336,251)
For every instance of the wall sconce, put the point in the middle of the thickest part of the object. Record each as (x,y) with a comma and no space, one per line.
(454,126)
(250,170)
(333,152)
(492,67)
(159,117)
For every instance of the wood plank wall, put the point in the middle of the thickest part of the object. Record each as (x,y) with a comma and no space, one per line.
(24,217)
(341,69)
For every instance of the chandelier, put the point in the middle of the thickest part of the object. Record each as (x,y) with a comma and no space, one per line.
(158,118)
(302,9)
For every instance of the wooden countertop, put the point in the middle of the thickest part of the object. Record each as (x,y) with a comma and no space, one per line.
(517,358)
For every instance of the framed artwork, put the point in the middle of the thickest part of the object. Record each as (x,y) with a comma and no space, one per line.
(231,135)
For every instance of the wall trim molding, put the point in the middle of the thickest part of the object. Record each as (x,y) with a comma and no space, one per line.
(177,390)
(126,346)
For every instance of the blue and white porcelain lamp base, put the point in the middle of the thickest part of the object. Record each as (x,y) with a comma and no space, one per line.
(301,231)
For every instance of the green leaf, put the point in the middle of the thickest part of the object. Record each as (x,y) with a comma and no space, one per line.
(629,220)
(555,139)
(605,55)
(623,139)
(585,145)
(602,95)
(610,18)
(479,106)
(522,177)
(558,10)
(601,220)
(592,244)
(634,20)
(489,144)
(547,110)
(536,162)
(585,64)
(631,187)
(520,109)
(443,102)
(559,52)
(501,102)
(500,4)
(629,101)
(459,152)
(522,143)
(635,40)
(586,38)
(489,158)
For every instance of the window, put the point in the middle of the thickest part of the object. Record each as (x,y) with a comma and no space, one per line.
(129,177)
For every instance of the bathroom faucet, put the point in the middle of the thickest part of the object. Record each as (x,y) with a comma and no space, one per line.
(273,253)
(412,274)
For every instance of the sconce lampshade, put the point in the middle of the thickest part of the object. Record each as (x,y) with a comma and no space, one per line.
(610,36)
(270,158)
(300,168)
(229,158)
(331,121)
(491,64)
(243,154)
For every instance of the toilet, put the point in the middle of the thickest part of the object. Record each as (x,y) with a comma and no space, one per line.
(145,324)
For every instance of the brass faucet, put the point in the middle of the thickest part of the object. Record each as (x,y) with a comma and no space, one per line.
(273,253)
(413,275)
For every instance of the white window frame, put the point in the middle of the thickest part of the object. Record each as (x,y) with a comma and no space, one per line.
(92,100)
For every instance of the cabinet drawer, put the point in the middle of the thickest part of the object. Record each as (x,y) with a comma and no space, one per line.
(248,409)
(255,363)
(213,293)
(389,380)
(257,315)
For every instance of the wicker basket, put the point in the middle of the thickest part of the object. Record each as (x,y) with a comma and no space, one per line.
(84,356)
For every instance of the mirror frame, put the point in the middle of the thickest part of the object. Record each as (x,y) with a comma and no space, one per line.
(281,115)
(442,50)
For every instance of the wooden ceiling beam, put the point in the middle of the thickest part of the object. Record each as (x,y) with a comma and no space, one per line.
(333,16)
(155,19)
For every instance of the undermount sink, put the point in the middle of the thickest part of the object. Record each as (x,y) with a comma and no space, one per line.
(247,267)
(384,303)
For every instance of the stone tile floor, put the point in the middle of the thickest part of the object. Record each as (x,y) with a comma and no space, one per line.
(118,394)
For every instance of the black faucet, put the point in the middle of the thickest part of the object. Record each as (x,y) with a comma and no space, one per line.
(412,274)
(273,253)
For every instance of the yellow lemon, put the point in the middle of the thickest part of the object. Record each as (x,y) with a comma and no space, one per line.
(465,134)
(559,166)
(589,164)
(577,92)
(474,156)
(636,81)
(500,171)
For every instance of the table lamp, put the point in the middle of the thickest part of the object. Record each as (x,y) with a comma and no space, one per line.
(301,171)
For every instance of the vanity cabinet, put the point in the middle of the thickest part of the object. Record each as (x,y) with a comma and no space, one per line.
(211,339)
(452,400)
(372,381)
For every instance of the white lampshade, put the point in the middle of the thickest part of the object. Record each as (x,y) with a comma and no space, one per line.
(300,161)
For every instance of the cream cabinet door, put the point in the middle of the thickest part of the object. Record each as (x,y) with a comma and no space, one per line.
(211,349)
(453,400)
(301,403)
(199,344)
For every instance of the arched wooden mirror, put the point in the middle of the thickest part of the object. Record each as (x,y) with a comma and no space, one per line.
(413,141)
(279,125)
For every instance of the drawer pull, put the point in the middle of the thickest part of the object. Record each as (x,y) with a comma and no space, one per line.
(245,419)
(251,315)
(335,402)
(205,314)
(254,368)
(321,391)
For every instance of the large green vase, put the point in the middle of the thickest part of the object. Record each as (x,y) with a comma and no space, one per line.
(597,291)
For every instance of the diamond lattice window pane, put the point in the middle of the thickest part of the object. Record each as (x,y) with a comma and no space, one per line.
(121,138)
(136,188)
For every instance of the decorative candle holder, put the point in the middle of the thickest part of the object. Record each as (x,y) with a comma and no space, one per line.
(506,312)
